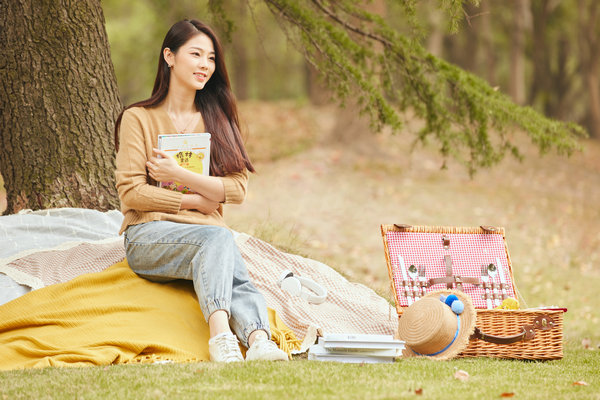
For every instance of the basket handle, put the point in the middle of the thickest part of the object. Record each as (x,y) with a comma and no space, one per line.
(489,228)
(542,322)
(527,333)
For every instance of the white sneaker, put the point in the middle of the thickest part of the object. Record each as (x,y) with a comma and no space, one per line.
(265,349)
(224,347)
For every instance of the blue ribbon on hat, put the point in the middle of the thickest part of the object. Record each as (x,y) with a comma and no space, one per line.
(449,344)
(457,307)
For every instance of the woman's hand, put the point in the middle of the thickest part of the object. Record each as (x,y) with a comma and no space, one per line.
(164,168)
(198,202)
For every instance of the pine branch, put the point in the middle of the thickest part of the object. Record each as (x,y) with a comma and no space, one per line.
(360,55)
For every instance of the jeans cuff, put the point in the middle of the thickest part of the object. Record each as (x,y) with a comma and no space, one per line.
(254,327)
(216,305)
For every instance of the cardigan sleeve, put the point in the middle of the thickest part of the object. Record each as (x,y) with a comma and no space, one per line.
(133,185)
(236,186)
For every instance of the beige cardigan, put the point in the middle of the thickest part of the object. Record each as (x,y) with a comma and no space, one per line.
(141,200)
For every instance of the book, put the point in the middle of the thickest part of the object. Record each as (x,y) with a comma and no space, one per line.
(360,341)
(191,151)
(317,352)
(356,348)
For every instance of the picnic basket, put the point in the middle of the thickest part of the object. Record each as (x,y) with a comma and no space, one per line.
(422,259)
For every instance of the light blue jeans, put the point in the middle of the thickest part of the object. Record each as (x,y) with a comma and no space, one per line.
(163,251)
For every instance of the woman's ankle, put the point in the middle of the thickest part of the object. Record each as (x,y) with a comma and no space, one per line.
(218,323)
(256,334)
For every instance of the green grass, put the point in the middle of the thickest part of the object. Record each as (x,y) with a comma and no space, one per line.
(302,379)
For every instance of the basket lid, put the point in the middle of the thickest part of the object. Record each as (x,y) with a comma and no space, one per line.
(421,259)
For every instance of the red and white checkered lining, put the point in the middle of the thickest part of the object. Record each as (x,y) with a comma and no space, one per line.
(467,251)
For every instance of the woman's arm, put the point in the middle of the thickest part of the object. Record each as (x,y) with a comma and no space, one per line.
(198,202)
(228,189)
(167,169)
(132,181)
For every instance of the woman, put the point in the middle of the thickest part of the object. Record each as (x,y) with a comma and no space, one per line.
(170,235)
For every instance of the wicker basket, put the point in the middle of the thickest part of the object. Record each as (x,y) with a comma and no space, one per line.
(511,325)
(531,334)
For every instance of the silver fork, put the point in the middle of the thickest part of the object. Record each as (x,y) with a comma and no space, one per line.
(413,273)
(492,272)
(422,280)
(485,279)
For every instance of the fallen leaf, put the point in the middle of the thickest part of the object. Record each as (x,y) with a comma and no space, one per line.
(419,391)
(507,394)
(586,343)
(580,383)
(461,375)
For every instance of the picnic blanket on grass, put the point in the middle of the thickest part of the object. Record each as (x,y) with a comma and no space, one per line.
(110,317)
(49,253)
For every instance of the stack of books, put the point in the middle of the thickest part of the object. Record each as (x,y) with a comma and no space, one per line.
(356,348)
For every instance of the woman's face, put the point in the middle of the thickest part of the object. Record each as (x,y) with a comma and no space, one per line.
(193,64)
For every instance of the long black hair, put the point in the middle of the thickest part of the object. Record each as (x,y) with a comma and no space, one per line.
(215,101)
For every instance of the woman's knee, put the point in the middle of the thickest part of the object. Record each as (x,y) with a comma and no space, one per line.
(221,235)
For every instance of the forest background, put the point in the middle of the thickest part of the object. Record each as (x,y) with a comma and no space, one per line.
(326,181)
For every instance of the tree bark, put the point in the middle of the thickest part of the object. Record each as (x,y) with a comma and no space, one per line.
(350,125)
(58,104)
(435,41)
(541,66)
(469,52)
(241,61)
(589,49)
(487,43)
(517,50)
(318,93)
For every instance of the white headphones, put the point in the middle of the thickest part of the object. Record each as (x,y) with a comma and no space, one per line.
(292,284)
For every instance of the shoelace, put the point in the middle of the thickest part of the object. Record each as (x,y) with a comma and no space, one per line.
(229,345)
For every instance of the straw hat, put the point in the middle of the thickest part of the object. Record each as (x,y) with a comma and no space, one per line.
(438,325)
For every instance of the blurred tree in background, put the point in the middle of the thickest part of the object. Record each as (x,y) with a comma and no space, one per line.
(393,61)
(532,50)
(543,53)
(261,63)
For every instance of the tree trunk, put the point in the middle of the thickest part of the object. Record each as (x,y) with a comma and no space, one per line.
(435,41)
(517,50)
(318,93)
(540,56)
(241,61)
(350,125)
(469,52)
(589,49)
(58,102)
(487,43)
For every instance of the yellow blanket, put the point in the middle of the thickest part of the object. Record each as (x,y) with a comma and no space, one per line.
(109,317)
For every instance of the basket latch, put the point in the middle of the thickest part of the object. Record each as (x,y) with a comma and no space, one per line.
(446,242)
(543,322)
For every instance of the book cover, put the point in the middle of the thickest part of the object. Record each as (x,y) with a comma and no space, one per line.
(191,151)
(380,350)
(360,341)
(317,352)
